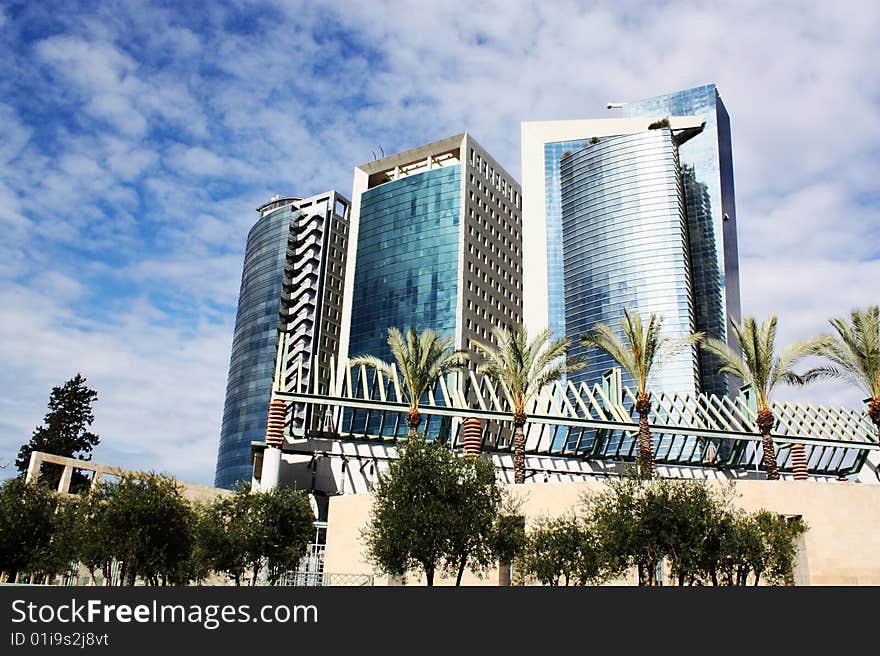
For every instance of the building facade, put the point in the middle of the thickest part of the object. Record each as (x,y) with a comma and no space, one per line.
(436,243)
(625,245)
(292,280)
(708,273)
(707,174)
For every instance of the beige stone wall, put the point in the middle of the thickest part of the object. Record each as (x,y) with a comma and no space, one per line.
(842,546)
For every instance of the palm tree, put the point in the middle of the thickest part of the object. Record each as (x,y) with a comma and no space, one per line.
(762,370)
(639,352)
(422,358)
(855,354)
(524,367)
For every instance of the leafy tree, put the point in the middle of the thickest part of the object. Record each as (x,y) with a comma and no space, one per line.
(855,355)
(65,431)
(221,533)
(26,524)
(564,549)
(280,526)
(509,535)
(472,531)
(523,367)
(422,358)
(430,510)
(148,527)
(61,554)
(249,532)
(780,536)
(639,352)
(762,369)
(95,538)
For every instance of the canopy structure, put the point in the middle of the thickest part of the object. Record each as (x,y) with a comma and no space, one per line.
(578,422)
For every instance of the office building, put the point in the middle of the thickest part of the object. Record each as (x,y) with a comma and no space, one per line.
(292,280)
(650,224)
(436,243)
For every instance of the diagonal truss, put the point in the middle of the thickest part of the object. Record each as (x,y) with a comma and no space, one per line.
(578,421)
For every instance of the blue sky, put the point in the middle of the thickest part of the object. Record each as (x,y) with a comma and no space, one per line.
(136,139)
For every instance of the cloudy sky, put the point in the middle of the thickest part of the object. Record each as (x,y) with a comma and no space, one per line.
(136,139)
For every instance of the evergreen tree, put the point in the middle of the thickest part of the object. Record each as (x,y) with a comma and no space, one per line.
(65,431)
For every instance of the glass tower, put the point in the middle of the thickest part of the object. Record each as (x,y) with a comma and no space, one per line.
(707,172)
(251,364)
(292,281)
(555,276)
(625,245)
(407,267)
(436,239)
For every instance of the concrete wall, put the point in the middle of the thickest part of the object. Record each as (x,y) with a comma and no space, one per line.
(842,546)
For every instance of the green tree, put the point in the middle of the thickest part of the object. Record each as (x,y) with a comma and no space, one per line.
(65,431)
(430,510)
(280,527)
(640,352)
(221,535)
(149,528)
(523,367)
(780,536)
(472,529)
(251,532)
(509,536)
(26,524)
(565,549)
(95,538)
(855,355)
(762,369)
(421,358)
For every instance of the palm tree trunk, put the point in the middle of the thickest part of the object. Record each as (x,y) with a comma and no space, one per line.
(874,414)
(519,448)
(799,462)
(646,447)
(765,421)
(413,419)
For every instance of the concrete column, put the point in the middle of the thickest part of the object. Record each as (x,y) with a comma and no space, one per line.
(33,470)
(271,468)
(64,483)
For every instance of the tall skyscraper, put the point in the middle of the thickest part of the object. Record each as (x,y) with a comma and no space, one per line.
(436,243)
(292,281)
(641,218)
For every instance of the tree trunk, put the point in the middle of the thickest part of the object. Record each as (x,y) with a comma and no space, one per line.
(874,414)
(646,447)
(504,573)
(461,566)
(429,575)
(765,423)
(413,419)
(256,571)
(799,462)
(519,450)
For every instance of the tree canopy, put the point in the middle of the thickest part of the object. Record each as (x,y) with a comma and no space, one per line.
(432,510)
(65,430)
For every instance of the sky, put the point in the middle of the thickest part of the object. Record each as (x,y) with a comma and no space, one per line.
(137,139)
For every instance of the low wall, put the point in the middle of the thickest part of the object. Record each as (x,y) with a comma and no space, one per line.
(842,546)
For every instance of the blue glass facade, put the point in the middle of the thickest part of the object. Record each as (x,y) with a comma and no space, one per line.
(707,172)
(553,208)
(253,346)
(406,272)
(625,245)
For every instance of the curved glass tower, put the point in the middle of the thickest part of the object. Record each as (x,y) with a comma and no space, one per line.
(253,343)
(625,245)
